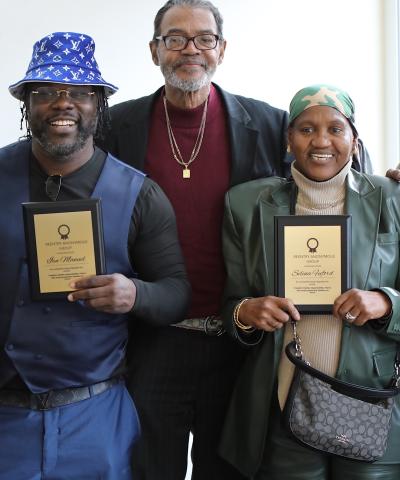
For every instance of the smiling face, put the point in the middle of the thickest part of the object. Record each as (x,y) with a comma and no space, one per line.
(322,142)
(61,126)
(190,69)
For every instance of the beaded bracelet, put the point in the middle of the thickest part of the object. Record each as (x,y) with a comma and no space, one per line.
(238,323)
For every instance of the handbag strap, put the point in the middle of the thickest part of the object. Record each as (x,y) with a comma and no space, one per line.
(295,354)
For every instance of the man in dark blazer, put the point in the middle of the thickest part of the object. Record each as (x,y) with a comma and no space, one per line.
(196,140)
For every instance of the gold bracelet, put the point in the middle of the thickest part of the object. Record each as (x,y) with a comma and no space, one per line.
(238,323)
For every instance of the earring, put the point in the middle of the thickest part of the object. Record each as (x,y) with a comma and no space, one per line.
(288,149)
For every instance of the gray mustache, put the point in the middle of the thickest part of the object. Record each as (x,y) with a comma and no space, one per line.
(179,64)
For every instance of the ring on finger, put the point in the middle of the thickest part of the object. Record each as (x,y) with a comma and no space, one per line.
(349,317)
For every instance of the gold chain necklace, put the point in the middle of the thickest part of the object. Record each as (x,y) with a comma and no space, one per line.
(174,146)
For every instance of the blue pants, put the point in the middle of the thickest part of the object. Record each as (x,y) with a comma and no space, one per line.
(87,440)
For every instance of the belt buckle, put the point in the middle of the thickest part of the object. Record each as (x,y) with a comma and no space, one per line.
(39,401)
(208,326)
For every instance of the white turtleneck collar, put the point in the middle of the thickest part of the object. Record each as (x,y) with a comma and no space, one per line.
(322,196)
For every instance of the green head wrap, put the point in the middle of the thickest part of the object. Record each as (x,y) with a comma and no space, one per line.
(325,95)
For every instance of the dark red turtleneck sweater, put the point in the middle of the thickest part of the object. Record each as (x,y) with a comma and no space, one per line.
(198,201)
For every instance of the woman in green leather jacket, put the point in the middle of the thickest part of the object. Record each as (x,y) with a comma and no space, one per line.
(358,341)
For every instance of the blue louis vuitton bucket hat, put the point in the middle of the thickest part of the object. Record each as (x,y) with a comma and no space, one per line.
(63,57)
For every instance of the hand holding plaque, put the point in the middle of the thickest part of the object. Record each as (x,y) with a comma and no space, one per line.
(312,255)
(64,242)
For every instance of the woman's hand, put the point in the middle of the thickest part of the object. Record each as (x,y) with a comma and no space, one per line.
(267,313)
(359,306)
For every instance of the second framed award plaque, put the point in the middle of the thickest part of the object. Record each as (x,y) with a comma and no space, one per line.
(312,260)
(64,241)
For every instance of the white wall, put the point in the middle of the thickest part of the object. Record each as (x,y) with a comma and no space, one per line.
(391,55)
(274,49)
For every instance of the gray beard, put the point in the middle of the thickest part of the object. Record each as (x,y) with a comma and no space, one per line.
(186,85)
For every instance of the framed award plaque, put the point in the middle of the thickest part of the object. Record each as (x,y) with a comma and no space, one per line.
(312,260)
(64,241)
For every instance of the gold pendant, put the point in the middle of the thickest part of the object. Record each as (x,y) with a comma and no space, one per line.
(186,173)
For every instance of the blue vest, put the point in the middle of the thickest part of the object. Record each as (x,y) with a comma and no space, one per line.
(57,344)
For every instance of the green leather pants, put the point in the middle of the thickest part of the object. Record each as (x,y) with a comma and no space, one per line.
(285,459)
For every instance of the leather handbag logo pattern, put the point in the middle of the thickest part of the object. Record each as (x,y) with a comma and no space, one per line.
(333,423)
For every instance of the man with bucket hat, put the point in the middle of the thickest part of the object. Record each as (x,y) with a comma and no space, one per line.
(61,361)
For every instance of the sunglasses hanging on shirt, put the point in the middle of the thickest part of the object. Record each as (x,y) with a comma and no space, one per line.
(53,186)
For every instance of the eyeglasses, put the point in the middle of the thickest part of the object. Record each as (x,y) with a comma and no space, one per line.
(48,95)
(53,186)
(207,41)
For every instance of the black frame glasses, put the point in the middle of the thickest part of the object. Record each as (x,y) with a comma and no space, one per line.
(48,94)
(176,43)
(53,186)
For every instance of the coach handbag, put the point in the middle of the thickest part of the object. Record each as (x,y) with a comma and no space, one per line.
(337,417)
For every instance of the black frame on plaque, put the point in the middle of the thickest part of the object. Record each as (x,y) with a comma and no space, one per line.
(281,221)
(30,209)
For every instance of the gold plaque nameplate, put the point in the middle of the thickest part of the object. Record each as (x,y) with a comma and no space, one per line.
(312,260)
(64,242)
